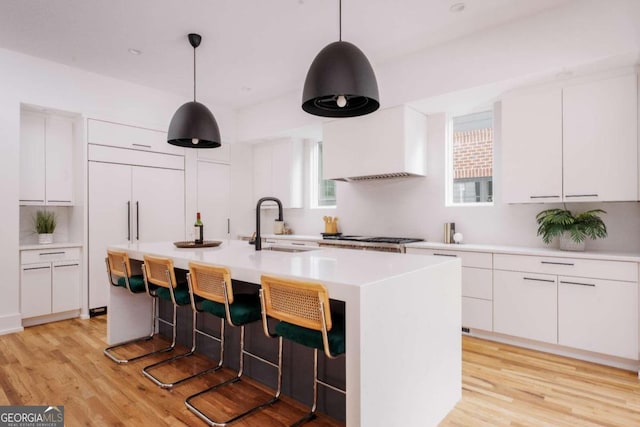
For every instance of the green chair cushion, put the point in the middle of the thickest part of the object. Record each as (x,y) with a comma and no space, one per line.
(313,339)
(181,293)
(245,308)
(136,283)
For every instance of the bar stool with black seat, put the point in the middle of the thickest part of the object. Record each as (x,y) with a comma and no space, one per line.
(160,279)
(119,265)
(304,315)
(213,285)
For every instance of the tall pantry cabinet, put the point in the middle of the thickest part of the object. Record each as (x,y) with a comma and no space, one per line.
(136,192)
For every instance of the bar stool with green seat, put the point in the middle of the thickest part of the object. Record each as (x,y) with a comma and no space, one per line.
(304,315)
(119,265)
(214,286)
(160,279)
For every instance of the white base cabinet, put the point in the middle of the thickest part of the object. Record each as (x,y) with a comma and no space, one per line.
(525,305)
(598,315)
(50,281)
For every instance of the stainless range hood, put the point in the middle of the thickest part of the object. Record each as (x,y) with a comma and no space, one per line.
(389,143)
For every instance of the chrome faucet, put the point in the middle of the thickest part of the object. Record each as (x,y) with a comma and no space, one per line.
(258,241)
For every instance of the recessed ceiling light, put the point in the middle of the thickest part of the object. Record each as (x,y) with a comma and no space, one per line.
(457,7)
(245,89)
(133,51)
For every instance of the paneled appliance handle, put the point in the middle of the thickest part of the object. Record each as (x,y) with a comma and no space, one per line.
(137,220)
(129,220)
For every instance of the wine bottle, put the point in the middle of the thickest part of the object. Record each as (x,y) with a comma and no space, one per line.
(198,232)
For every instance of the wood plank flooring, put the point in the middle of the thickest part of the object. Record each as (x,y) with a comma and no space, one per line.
(62,364)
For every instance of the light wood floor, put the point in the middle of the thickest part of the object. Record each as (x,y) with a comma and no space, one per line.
(62,364)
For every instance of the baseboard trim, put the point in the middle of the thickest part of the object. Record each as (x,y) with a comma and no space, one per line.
(10,324)
(32,321)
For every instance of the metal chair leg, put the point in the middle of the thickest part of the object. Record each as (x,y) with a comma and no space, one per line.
(108,351)
(235,379)
(146,370)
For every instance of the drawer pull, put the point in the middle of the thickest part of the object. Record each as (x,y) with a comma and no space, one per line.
(297,244)
(141,145)
(67,265)
(544,197)
(539,280)
(36,268)
(451,255)
(578,283)
(60,201)
(557,263)
(52,253)
(580,195)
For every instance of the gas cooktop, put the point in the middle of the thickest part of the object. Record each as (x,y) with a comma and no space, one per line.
(365,239)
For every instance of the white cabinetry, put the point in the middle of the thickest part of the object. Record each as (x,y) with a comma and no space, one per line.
(133,196)
(291,242)
(477,286)
(213,189)
(575,143)
(46,159)
(532,147)
(581,303)
(392,140)
(50,283)
(525,305)
(598,315)
(278,171)
(600,140)
(132,137)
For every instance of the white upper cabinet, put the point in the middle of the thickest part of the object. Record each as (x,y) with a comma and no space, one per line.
(532,147)
(393,141)
(576,143)
(131,137)
(278,172)
(600,140)
(46,159)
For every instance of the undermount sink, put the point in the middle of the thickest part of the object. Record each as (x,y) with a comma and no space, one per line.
(289,249)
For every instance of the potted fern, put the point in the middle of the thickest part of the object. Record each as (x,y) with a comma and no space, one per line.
(45,224)
(573,230)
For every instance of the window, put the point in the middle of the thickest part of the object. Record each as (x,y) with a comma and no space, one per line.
(323,191)
(470,159)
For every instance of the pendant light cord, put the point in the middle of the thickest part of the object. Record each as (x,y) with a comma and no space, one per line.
(194,74)
(340,19)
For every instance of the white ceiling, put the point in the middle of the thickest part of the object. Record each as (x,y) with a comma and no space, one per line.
(252,50)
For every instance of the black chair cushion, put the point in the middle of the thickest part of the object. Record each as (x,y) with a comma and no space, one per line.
(245,309)
(136,283)
(313,339)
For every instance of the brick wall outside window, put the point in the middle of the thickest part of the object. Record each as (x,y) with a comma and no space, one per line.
(473,154)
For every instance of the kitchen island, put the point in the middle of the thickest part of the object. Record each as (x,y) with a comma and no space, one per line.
(403,358)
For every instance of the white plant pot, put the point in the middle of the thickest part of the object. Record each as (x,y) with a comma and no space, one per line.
(45,239)
(566,244)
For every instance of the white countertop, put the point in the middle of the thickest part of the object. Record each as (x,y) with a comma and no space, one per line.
(335,268)
(50,246)
(521,250)
(309,238)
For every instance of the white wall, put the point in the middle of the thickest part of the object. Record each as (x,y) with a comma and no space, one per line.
(25,79)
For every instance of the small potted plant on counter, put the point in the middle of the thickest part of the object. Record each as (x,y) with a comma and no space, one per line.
(45,224)
(573,231)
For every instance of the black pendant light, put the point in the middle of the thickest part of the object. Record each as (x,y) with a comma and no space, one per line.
(193,125)
(340,82)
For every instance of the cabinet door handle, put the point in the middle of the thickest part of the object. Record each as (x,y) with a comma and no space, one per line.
(66,265)
(228,226)
(141,145)
(580,195)
(450,255)
(32,200)
(52,253)
(544,197)
(297,244)
(128,220)
(137,220)
(36,268)
(60,201)
(578,283)
(539,280)
(557,263)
